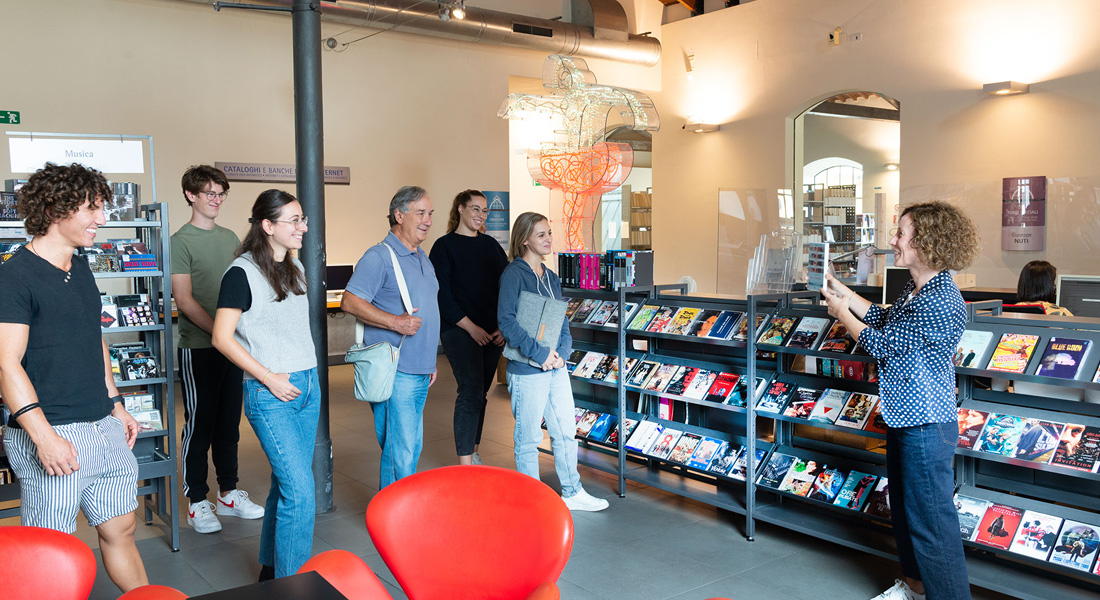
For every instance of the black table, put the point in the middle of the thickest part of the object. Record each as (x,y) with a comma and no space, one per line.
(303,586)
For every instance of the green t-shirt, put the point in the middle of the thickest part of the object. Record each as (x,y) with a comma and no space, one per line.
(204,255)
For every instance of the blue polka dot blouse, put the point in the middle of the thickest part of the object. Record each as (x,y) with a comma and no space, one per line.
(914,341)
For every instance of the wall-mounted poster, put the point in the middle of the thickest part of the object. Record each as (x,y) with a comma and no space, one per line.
(1023,213)
(497,223)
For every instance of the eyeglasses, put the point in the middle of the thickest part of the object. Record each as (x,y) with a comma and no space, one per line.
(296,222)
(212,195)
(477,210)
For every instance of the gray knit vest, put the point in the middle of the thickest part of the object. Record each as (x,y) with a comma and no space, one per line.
(277,334)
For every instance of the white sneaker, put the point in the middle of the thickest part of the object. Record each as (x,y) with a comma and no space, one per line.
(237,504)
(583,501)
(476,458)
(200,516)
(900,591)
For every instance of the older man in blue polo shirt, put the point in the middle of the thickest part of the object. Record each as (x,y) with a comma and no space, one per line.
(374,298)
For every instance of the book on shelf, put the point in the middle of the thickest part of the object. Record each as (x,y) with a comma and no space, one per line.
(722,387)
(644,436)
(771,476)
(134,401)
(662,319)
(970,511)
(971,424)
(629,425)
(685,448)
(777,331)
(1078,448)
(602,427)
(838,340)
(725,458)
(704,323)
(664,444)
(588,364)
(1001,434)
(971,348)
(855,491)
(584,311)
(741,329)
(700,384)
(571,306)
(808,332)
(139,367)
(775,397)
(681,380)
(1037,535)
(604,367)
(574,357)
(613,374)
(1039,440)
(9,204)
(878,503)
(134,310)
(664,408)
(135,263)
(1096,377)
(148,420)
(725,325)
(1076,546)
(877,423)
(802,403)
(828,405)
(642,317)
(739,470)
(106,262)
(827,485)
(682,321)
(613,320)
(998,526)
(108,314)
(740,395)
(128,246)
(857,410)
(705,452)
(603,312)
(1013,352)
(639,377)
(588,419)
(661,378)
(1063,358)
(800,476)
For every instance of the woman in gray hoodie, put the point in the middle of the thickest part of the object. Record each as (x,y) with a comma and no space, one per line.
(544,391)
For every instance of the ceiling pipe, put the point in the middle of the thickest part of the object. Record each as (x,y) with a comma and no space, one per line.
(599,30)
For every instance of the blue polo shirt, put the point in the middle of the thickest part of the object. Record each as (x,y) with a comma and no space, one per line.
(374,281)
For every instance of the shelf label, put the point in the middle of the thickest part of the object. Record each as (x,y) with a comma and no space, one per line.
(10,117)
(114,156)
(277,173)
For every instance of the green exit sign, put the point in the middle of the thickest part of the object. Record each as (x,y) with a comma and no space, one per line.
(9,116)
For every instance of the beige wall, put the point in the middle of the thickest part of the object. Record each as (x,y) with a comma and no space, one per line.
(217,86)
(758,65)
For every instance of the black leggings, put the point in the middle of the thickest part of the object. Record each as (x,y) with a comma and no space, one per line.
(474,368)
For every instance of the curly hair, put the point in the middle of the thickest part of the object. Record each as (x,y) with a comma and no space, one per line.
(944,237)
(199,176)
(56,191)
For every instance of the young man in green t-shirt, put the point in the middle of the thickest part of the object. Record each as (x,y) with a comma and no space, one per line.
(201,252)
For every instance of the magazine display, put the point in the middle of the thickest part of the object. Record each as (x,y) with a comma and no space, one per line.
(661,378)
(722,387)
(1039,440)
(808,332)
(704,323)
(827,485)
(777,331)
(685,448)
(644,436)
(878,504)
(998,526)
(588,364)
(773,473)
(838,340)
(857,411)
(681,323)
(1078,448)
(971,511)
(741,329)
(971,424)
(724,459)
(829,405)
(1013,353)
(971,348)
(603,313)
(1001,434)
(662,319)
(855,491)
(1063,358)
(665,443)
(802,403)
(725,325)
(1037,535)
(1076,547)
(800,477)
(642,318)
(700,384)
(681,380)
(705,452)
(775,397)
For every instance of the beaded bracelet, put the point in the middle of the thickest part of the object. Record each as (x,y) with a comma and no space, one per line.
(265,376)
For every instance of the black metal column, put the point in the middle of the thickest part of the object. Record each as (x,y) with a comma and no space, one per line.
(310,160)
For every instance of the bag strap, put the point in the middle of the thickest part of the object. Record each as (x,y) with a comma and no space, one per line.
(405,301)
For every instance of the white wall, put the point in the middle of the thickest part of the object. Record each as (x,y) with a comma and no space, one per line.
(759,65)
(217,86)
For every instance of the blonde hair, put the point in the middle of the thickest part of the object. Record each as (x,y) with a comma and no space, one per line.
(521,230)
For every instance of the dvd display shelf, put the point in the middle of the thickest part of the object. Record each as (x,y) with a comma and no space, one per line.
(154,450)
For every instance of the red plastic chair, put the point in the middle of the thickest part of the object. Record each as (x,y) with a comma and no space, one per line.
(154,592)
(472,532)
(43,563)
(348,574)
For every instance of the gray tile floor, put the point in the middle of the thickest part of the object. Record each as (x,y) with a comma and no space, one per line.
(651,545)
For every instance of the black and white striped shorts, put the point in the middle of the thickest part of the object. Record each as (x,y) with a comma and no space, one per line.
(104,487)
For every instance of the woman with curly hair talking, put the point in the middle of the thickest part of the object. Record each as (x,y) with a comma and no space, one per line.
(913,341)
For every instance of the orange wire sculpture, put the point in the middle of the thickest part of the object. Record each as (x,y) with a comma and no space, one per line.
(582,177)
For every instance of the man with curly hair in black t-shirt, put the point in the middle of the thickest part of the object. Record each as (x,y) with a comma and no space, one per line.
(69,437)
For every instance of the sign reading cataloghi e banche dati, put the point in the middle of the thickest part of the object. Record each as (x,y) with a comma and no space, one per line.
(275,173)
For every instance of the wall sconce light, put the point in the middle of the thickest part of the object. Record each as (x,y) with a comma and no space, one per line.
(1005,88)
(700,127)
(891,166)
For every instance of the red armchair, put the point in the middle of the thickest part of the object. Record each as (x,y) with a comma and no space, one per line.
(43,563)
(348,574)
(469,532)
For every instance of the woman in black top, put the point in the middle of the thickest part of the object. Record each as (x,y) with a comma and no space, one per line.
(468,265)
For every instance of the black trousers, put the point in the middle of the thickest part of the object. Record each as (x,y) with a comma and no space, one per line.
(474,368)
(212,399)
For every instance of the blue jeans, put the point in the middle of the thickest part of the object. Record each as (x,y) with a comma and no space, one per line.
(922,484)
(399,425)
(539,396)
(287,432)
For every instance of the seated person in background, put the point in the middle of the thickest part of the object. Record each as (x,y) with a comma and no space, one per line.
(1038,287)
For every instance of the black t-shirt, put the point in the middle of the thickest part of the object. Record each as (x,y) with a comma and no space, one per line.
(64,356)
(235,292)
(468,270)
